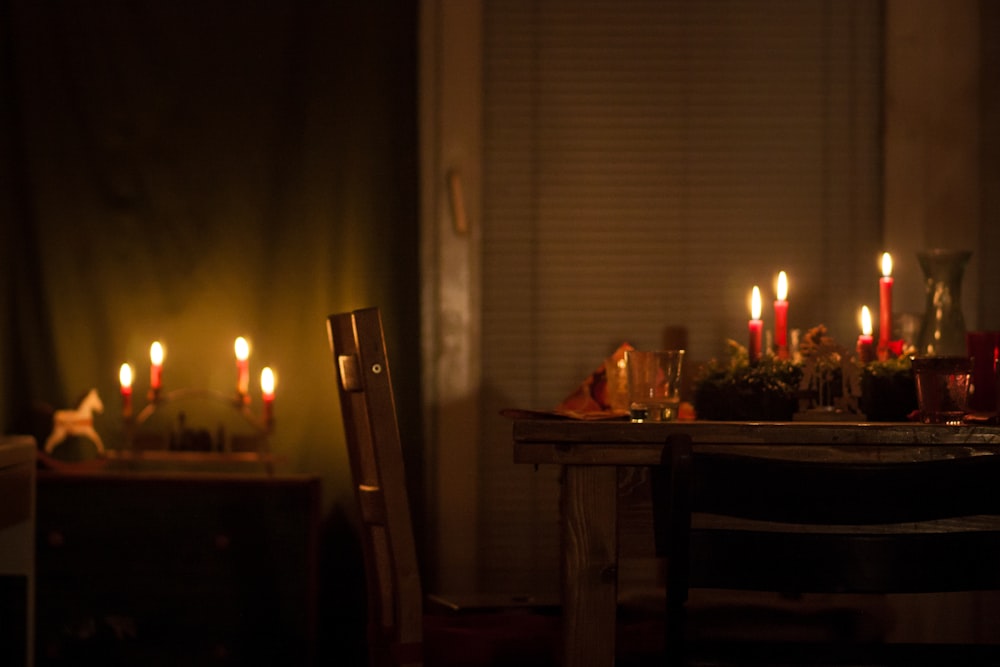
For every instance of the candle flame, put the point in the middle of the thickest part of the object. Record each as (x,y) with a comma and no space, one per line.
(267,381)
(156,353)
(125,376)
(755,303)
(886,264)
(782,286)
(866,321)
(242,349)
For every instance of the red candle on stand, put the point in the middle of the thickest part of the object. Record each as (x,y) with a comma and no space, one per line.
(125,378)
(781,317)
(242,349)
(866,347)
(267,393)
(155,366)
(885,307)
(756,325)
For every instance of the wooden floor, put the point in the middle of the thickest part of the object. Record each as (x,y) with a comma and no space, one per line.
(887,655)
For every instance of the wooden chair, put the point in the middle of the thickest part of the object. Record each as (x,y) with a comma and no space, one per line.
(401,628)
(735,521)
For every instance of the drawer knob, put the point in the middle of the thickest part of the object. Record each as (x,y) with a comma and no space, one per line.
(222,542)
(55,538)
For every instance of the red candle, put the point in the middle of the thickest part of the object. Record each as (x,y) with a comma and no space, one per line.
(866,349)
(267,382)
(781,317)
(156,366)
(125,378)
(885,307)
(756,325)
(242,349)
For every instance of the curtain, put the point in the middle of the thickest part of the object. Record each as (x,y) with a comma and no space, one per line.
(194,172)
(191,173)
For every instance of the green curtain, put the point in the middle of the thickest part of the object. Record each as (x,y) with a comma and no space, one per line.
(194,172)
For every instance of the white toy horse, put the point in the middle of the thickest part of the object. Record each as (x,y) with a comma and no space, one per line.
(76,422)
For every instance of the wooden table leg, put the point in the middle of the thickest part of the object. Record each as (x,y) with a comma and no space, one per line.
(589,564)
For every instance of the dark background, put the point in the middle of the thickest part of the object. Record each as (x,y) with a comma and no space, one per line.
(193,172)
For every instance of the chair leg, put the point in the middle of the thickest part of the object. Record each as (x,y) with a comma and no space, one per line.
(678,545)
(675,648)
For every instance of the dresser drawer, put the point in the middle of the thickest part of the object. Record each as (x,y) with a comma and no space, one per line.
(216,565)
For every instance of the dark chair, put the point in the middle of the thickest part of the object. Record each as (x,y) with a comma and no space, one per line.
(404,627)
(736,521)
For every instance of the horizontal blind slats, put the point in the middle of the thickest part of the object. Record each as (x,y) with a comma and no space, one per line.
(646,163)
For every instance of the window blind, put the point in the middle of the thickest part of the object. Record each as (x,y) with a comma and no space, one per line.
(646,163)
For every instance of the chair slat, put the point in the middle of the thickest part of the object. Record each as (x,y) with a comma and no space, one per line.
(745,522)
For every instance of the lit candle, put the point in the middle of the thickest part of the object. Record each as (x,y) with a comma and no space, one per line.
(866,351)
(885,307)
(781,317)
(756,325)
(125,379)
(156,366)
(267,382)
(242,366)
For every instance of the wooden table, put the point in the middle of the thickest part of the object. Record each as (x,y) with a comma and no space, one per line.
(595,454)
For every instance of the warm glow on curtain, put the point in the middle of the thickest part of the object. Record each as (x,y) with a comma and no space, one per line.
(175,173)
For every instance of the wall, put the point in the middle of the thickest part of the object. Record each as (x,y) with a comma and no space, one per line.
(940,133)
(941,191)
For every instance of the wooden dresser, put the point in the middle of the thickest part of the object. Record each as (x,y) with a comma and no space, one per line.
(17,548)
(176,568)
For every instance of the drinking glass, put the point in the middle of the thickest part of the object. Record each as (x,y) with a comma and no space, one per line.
(942,388)
(654,384)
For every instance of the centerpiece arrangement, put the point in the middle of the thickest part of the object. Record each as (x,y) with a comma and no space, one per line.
(824,381)
(813,377)
(888,388)
(735,389)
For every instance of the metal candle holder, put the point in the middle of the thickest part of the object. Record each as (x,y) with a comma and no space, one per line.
(262,424)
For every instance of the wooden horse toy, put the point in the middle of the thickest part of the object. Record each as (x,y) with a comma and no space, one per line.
(76,422)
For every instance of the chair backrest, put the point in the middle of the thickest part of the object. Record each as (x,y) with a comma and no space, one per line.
(812,526)
(395,605)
